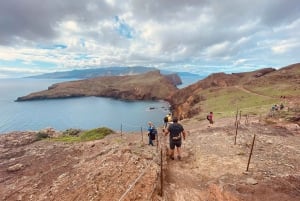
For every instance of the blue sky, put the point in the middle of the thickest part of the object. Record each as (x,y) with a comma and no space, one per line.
(197,36)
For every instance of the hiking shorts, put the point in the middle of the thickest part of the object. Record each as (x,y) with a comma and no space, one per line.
(174,143)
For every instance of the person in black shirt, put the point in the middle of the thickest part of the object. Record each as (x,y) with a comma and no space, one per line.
(176,133)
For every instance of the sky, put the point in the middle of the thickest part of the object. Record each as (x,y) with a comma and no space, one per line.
(196,36)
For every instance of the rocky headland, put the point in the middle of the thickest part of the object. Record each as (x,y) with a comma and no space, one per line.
(148,86)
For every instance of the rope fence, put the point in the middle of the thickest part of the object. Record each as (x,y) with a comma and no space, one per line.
(238,125)
(161,150)
(133,184)
(158,159)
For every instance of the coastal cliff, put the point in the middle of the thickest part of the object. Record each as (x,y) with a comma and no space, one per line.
(221,91)
(147,86)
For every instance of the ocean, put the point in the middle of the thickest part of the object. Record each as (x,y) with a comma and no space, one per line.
(81,113)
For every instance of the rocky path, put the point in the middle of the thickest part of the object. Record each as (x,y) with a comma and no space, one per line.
(213,168)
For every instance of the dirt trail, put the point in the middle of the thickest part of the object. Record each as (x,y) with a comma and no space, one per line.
(213,168)
(252,92)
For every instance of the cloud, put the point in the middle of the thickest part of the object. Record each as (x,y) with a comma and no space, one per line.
(219,49)
(284,46)
(205,35)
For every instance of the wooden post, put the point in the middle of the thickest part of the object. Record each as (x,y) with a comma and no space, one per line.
(236,116)
(142,134)
(236,131)
(247,119)
(250,152)
(157,141)
(121,130)
(161,174)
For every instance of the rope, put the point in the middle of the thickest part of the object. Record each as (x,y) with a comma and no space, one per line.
(140,176)
(133,184)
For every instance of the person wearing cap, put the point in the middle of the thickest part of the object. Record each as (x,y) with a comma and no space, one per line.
(176,133)
(169,117)
(151,133)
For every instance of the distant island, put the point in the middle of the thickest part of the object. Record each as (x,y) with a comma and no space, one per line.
(111,71)
(96,72)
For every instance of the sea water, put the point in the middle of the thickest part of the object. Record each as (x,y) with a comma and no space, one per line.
(81,113)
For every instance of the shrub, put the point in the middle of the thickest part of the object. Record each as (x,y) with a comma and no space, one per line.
(72,132)
(41,135)
(95,134)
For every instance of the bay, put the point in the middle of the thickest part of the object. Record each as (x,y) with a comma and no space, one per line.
(82,113)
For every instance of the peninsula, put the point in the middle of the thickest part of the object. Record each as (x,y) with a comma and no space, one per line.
(146,86)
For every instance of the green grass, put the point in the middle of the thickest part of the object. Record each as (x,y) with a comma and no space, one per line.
(224,102)
(90,135)
(95,134)
(278,90)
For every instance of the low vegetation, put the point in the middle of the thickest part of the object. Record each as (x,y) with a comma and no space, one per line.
(41,136)
(89,135)
(225,101)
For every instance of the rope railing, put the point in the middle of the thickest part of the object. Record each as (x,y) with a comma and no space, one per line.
(159,179)
(133,184)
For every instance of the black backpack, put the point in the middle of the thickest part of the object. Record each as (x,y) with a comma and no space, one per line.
(175,131)
(153,133)
(166,119)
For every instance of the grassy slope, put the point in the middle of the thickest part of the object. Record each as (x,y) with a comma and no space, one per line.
(257,97)
(225,102)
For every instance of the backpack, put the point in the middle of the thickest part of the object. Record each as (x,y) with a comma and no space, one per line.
(207,117)
(175,131)
(166,119)
(153,133)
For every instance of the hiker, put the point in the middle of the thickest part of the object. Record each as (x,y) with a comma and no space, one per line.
(176,133)
(209,117)
(166,121)
(281,106)
(273,108)
(152,133)
(169,117)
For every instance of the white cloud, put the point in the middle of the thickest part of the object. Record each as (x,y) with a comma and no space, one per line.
(285,46)
(217,50)
(166,34)
(239,62)
(70,25)
(248,26)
